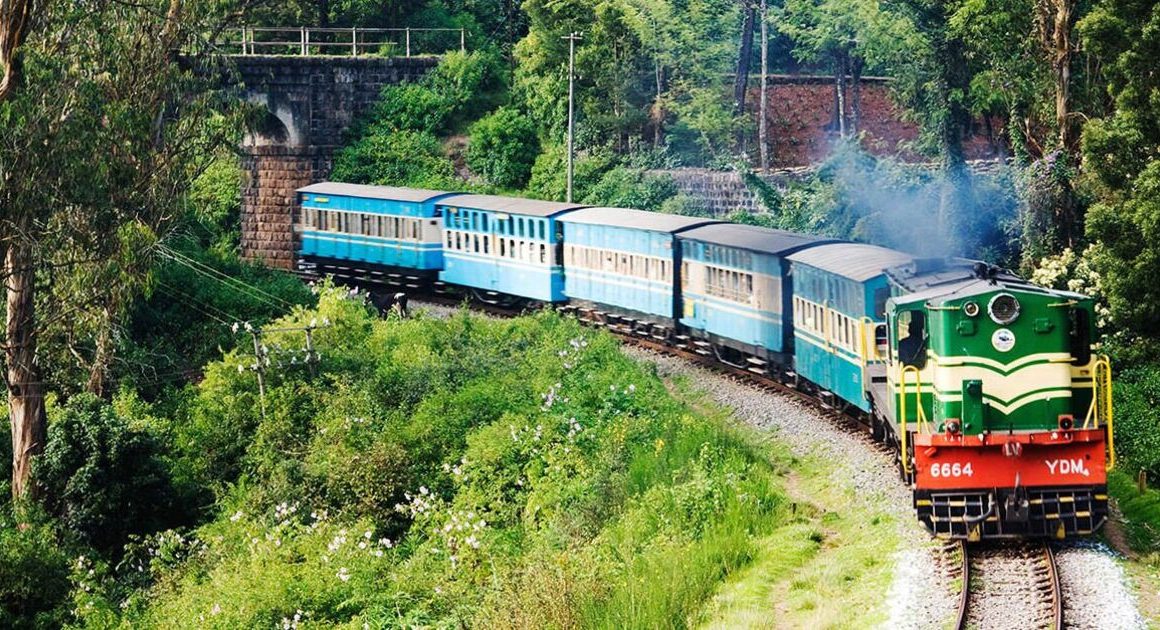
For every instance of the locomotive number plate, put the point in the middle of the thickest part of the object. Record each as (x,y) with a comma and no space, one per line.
(947,469)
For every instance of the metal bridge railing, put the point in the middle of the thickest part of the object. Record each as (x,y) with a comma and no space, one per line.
(306,41)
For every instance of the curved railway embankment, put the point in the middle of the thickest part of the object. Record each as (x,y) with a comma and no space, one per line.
(925,588)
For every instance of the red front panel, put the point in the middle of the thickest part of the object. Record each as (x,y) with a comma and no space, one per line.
(952,463)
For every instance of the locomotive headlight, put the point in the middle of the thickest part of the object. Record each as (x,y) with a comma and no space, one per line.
(1003,309)
(971,309)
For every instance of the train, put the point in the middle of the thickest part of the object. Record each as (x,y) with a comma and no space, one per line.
(987,388)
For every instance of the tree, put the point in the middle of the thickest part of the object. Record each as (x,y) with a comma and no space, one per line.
(744,57)
(503,148)
(92,79)
(1119,153)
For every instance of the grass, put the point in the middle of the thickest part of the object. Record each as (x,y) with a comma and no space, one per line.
(815,569)
(1139,532)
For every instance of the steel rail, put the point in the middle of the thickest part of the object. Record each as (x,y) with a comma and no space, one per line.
(965,588)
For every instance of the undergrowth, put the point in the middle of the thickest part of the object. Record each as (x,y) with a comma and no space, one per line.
(461,472)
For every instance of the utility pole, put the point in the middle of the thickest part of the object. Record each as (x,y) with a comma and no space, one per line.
(266,358)
(571,37)
(763,113)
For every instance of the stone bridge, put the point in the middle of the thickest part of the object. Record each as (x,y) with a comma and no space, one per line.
(311,101)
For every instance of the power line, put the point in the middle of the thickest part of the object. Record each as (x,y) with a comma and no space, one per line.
(222,317)
(230,281)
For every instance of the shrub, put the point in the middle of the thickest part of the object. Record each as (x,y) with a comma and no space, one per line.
(549,173)
(625,187)
(433,467)
(411,107)
(503,148)
(395,158)
(34,572)
(101,477)
(1136,398)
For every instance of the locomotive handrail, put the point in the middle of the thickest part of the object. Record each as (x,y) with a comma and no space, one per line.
(1101,407)
(919,414)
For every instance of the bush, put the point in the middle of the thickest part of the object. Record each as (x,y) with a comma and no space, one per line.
(34,574)
(101,477)
(503,148)
(625,187)
(1136,398)
(434,467)
(390,157)
(549,179)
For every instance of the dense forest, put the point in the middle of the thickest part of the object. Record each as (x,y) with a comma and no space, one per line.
(469,471)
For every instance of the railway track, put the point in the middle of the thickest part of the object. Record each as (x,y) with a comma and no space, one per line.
(1008,585)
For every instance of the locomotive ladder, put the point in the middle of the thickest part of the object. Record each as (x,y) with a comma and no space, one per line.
(1100,411)
(920,413)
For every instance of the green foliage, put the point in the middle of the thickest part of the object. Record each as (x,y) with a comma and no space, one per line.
(1136,398)
(34,573)
(398,144)
(396,158)
(1141,512)
(503,148)
(549,172)
(215,200)
(1119,153)
(1125,258)
(102,478)
(625,187)
(449,472)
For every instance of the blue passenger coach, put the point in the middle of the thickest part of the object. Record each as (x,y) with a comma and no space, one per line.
(625,259)
(735,286)
(395,228)
(504,246)
(839,291)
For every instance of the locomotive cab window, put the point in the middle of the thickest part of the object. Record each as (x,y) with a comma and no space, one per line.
(912,338)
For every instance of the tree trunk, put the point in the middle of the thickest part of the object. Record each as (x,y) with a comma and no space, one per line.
(15,20)
(1061,52)
(25,390)
(744,55)
(102,356)
(952,205)
(658,108)
(856,65)
(763,109)
(840,91)
(324,13)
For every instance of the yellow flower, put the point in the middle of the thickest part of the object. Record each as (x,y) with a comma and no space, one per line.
(659,445)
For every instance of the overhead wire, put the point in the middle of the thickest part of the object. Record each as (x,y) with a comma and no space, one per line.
(226,279)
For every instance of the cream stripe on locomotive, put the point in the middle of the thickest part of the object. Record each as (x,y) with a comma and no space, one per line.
(1005,386)
(1005,368)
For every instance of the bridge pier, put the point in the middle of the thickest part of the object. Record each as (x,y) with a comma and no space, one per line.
(310,102)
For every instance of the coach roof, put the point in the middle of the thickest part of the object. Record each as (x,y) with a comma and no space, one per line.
(389,193)
(754,238)
(511,205)
(635,219)
(857,261)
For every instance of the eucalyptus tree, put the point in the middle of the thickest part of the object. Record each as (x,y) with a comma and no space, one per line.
(104,128)
(832,31)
